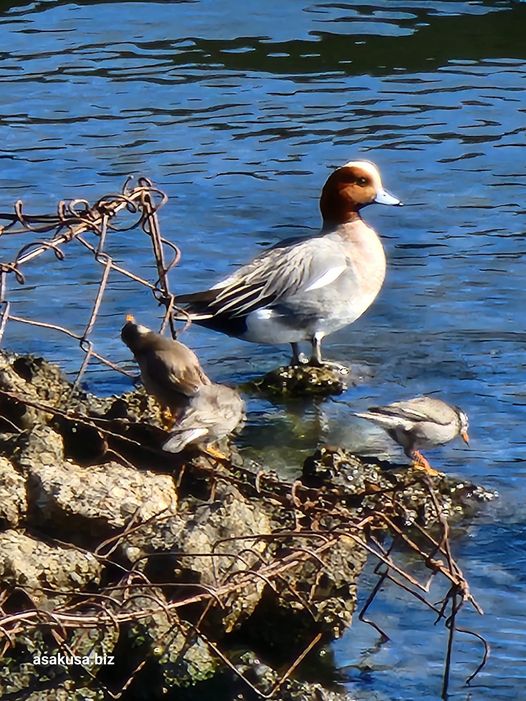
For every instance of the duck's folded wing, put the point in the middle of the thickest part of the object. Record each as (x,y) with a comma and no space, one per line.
(214,412)
(177,376)
(182,437)
(415,410)
(273,276)
(386,420)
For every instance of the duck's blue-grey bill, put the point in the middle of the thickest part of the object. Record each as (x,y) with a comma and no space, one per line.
(384,197)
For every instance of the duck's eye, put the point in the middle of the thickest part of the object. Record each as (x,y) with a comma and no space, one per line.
(362,181)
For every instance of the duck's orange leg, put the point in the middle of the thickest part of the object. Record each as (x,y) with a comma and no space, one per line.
(168,418)
(421,463)
(214,452)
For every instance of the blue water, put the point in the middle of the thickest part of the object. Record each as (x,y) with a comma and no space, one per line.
(239,111)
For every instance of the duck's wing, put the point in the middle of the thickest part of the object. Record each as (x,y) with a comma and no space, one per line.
(215,411)
(213,405)
(271,277)
(180,438)
(176,371)
(387,420)
(408,413)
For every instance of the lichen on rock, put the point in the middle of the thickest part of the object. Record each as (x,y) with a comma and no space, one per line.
(13,499)
(38,568)
(399,491)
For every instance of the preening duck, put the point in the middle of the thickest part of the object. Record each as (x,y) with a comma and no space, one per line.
(201,412)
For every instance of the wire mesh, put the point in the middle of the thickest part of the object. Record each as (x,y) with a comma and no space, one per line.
(69,226)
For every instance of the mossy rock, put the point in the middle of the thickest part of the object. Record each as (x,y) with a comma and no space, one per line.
(305,381)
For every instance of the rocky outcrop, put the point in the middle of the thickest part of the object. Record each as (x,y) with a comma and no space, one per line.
(173,564)
(401,492)
(208,544)
(96,501)
(305,381)
(44,571)
(13,501)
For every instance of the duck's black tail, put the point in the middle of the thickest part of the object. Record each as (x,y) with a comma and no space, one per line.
(199,306)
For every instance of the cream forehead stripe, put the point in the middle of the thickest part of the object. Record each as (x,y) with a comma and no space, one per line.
(368,168)
(142,330)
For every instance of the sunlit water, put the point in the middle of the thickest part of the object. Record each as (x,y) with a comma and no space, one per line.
(239,110)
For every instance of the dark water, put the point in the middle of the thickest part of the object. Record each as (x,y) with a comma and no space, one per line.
(239,110)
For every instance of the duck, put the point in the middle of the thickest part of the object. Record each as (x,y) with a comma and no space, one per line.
(214,412)
(199,412)
(420,423)
(304,289)
(170,371)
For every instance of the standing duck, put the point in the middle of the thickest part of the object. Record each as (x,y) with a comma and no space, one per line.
(419,423)
(305,289)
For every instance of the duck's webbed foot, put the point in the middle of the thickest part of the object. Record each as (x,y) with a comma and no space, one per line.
(332,364)
(317,361)
(214,452)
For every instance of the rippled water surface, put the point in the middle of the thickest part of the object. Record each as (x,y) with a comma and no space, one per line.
(239,110)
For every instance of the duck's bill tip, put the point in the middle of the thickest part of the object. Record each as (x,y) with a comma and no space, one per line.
(465,437)
(384,197)
(129,317)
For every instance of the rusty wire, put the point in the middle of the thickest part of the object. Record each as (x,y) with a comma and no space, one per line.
(100,610)
(72,220)
(112,608)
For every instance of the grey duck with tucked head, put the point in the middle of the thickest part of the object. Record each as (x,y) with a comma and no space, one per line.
(213,413)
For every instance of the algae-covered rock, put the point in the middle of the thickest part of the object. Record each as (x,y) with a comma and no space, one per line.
(174,651)
(39,446)
(265,679)
(317,596)
(135,406)
(42,382)
(48,685)
(40,668)
(404,492)
(208,544)
(15,378)
(97,500)
(305,380)
(221,553)
(80,503)
(67,691)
